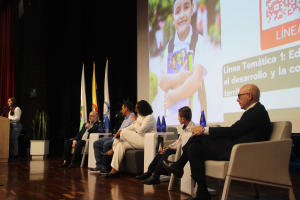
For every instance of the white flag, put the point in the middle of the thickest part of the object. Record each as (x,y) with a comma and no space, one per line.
(106,106)
(83,113)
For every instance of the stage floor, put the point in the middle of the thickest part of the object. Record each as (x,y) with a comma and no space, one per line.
(28,179)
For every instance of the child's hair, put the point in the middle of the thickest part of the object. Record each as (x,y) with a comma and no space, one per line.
(185,112)
(175,1)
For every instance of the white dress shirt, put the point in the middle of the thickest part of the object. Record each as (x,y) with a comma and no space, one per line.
(143,125)
(17,115)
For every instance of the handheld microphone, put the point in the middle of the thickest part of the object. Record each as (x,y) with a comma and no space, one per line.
(4,111)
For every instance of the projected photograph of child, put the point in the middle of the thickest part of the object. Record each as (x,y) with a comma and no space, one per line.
(185,46)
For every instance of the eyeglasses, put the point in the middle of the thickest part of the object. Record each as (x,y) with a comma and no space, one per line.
(239,95)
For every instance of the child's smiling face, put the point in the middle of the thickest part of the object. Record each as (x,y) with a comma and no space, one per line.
(182,14)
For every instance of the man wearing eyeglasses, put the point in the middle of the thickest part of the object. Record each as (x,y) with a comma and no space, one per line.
(215,143)
(79,141)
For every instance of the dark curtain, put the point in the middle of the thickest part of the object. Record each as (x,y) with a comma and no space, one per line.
(6,54)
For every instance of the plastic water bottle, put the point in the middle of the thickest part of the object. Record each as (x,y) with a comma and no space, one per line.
(100,127)
(158,124)
(202,119)
(106,124)
(163,125)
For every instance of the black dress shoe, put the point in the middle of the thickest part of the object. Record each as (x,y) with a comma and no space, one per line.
(114,175)
(152,180)
(66,164)
(143,176)
(14,157)
(95,171)
(104,171)
(168,165)
(72,165)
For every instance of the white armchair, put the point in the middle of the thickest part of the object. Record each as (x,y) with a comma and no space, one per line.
(258,162)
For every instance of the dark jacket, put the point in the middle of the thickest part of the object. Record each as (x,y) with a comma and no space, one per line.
(254,126)
(94,129)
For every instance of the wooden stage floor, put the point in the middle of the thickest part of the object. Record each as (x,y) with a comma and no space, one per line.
(28,179)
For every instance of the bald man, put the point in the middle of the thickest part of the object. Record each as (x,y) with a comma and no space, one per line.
(215,143)
(79,141)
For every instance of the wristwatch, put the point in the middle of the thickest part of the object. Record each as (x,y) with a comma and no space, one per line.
(203,130)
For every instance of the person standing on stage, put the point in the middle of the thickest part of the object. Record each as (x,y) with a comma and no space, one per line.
(14,116)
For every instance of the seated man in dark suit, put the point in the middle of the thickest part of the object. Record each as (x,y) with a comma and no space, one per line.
(79,141)
(215,143)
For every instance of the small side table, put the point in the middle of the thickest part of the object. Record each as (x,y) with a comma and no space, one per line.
(94,137)
(150,142)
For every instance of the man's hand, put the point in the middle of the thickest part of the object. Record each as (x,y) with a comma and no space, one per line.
(118,134)
(133,117)
(87,125)
(162,150)
(74,144)
(198,130)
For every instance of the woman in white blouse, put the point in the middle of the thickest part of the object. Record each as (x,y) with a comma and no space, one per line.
(15,126)
(132,137)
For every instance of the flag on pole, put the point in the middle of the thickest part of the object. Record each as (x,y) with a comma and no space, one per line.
(106,105)
(94,92)
(83,113)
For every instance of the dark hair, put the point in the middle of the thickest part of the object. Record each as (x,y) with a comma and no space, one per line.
(185,112)
(128,105)
(144,108)
(13,105)
(174,4)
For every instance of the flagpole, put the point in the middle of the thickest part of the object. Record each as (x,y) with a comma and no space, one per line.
(106,105)
(83,109)
(95,106)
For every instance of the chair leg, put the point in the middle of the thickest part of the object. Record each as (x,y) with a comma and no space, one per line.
(171,182)
(226,188)
(84,153)
(196,188)
(255,191)
(291,194)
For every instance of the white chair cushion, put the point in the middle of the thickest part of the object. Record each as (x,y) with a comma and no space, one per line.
(216,169)
(172,157)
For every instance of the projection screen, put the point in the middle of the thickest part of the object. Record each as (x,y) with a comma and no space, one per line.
(199,54)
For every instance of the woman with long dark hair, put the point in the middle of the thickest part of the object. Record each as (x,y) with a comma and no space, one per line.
(15,126)
(132,137)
